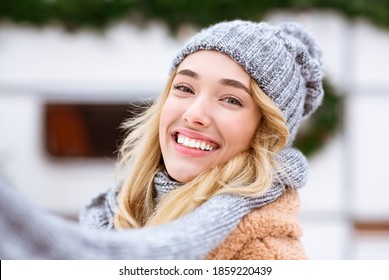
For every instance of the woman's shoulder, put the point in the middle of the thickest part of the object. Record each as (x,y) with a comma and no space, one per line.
(99,212)
(279,218)
(288,205)
(270,232)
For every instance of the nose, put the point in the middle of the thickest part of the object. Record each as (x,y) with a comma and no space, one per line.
(198,112)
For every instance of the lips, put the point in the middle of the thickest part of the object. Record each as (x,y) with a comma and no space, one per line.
(195,142)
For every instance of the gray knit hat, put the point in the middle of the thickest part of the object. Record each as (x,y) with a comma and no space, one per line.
(284,60)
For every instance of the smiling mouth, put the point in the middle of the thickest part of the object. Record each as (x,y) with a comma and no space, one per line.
(195,143)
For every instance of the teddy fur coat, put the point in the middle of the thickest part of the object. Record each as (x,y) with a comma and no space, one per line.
(272,232)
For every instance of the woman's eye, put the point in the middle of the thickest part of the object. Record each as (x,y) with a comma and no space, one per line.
(183,88)
(233,100)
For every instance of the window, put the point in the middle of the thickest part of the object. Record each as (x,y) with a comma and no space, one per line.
(85,130)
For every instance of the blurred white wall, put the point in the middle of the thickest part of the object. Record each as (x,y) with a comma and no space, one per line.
(347,178)
(37,65)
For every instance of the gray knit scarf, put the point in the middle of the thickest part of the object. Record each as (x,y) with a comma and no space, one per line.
(100,212)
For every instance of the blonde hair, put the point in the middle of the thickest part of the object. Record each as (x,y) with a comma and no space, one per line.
(249,173)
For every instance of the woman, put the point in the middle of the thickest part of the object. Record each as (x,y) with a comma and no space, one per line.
(224,124)
(213,148)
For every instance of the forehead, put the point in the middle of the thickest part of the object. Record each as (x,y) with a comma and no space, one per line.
(214,64)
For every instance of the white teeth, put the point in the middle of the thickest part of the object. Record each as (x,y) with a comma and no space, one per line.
(186,141)
(192,143)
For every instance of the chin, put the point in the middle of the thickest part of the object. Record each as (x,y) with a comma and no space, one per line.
(181,178)
(181,175)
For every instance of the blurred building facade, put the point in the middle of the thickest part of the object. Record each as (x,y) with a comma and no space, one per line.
(345,209)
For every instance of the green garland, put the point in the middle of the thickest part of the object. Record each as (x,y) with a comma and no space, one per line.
(75,14)
(98,14)
(323,124)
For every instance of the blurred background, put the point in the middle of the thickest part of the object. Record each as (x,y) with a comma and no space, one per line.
(71,71)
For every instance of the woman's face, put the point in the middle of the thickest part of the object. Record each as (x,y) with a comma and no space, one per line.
(209,115)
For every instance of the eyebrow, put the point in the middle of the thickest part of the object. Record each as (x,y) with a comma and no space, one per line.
(235,84)
(224,82)
(189,73)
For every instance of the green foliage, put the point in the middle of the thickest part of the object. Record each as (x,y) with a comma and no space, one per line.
(75,14)
(323,125)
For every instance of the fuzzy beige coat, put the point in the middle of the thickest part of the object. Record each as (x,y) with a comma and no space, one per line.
(272,232)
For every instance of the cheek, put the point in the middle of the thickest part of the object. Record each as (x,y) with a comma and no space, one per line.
(240,133)
(169,114)
(250,127)
(162,120)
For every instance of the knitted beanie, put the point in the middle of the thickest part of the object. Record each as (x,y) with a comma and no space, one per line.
(284,60)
